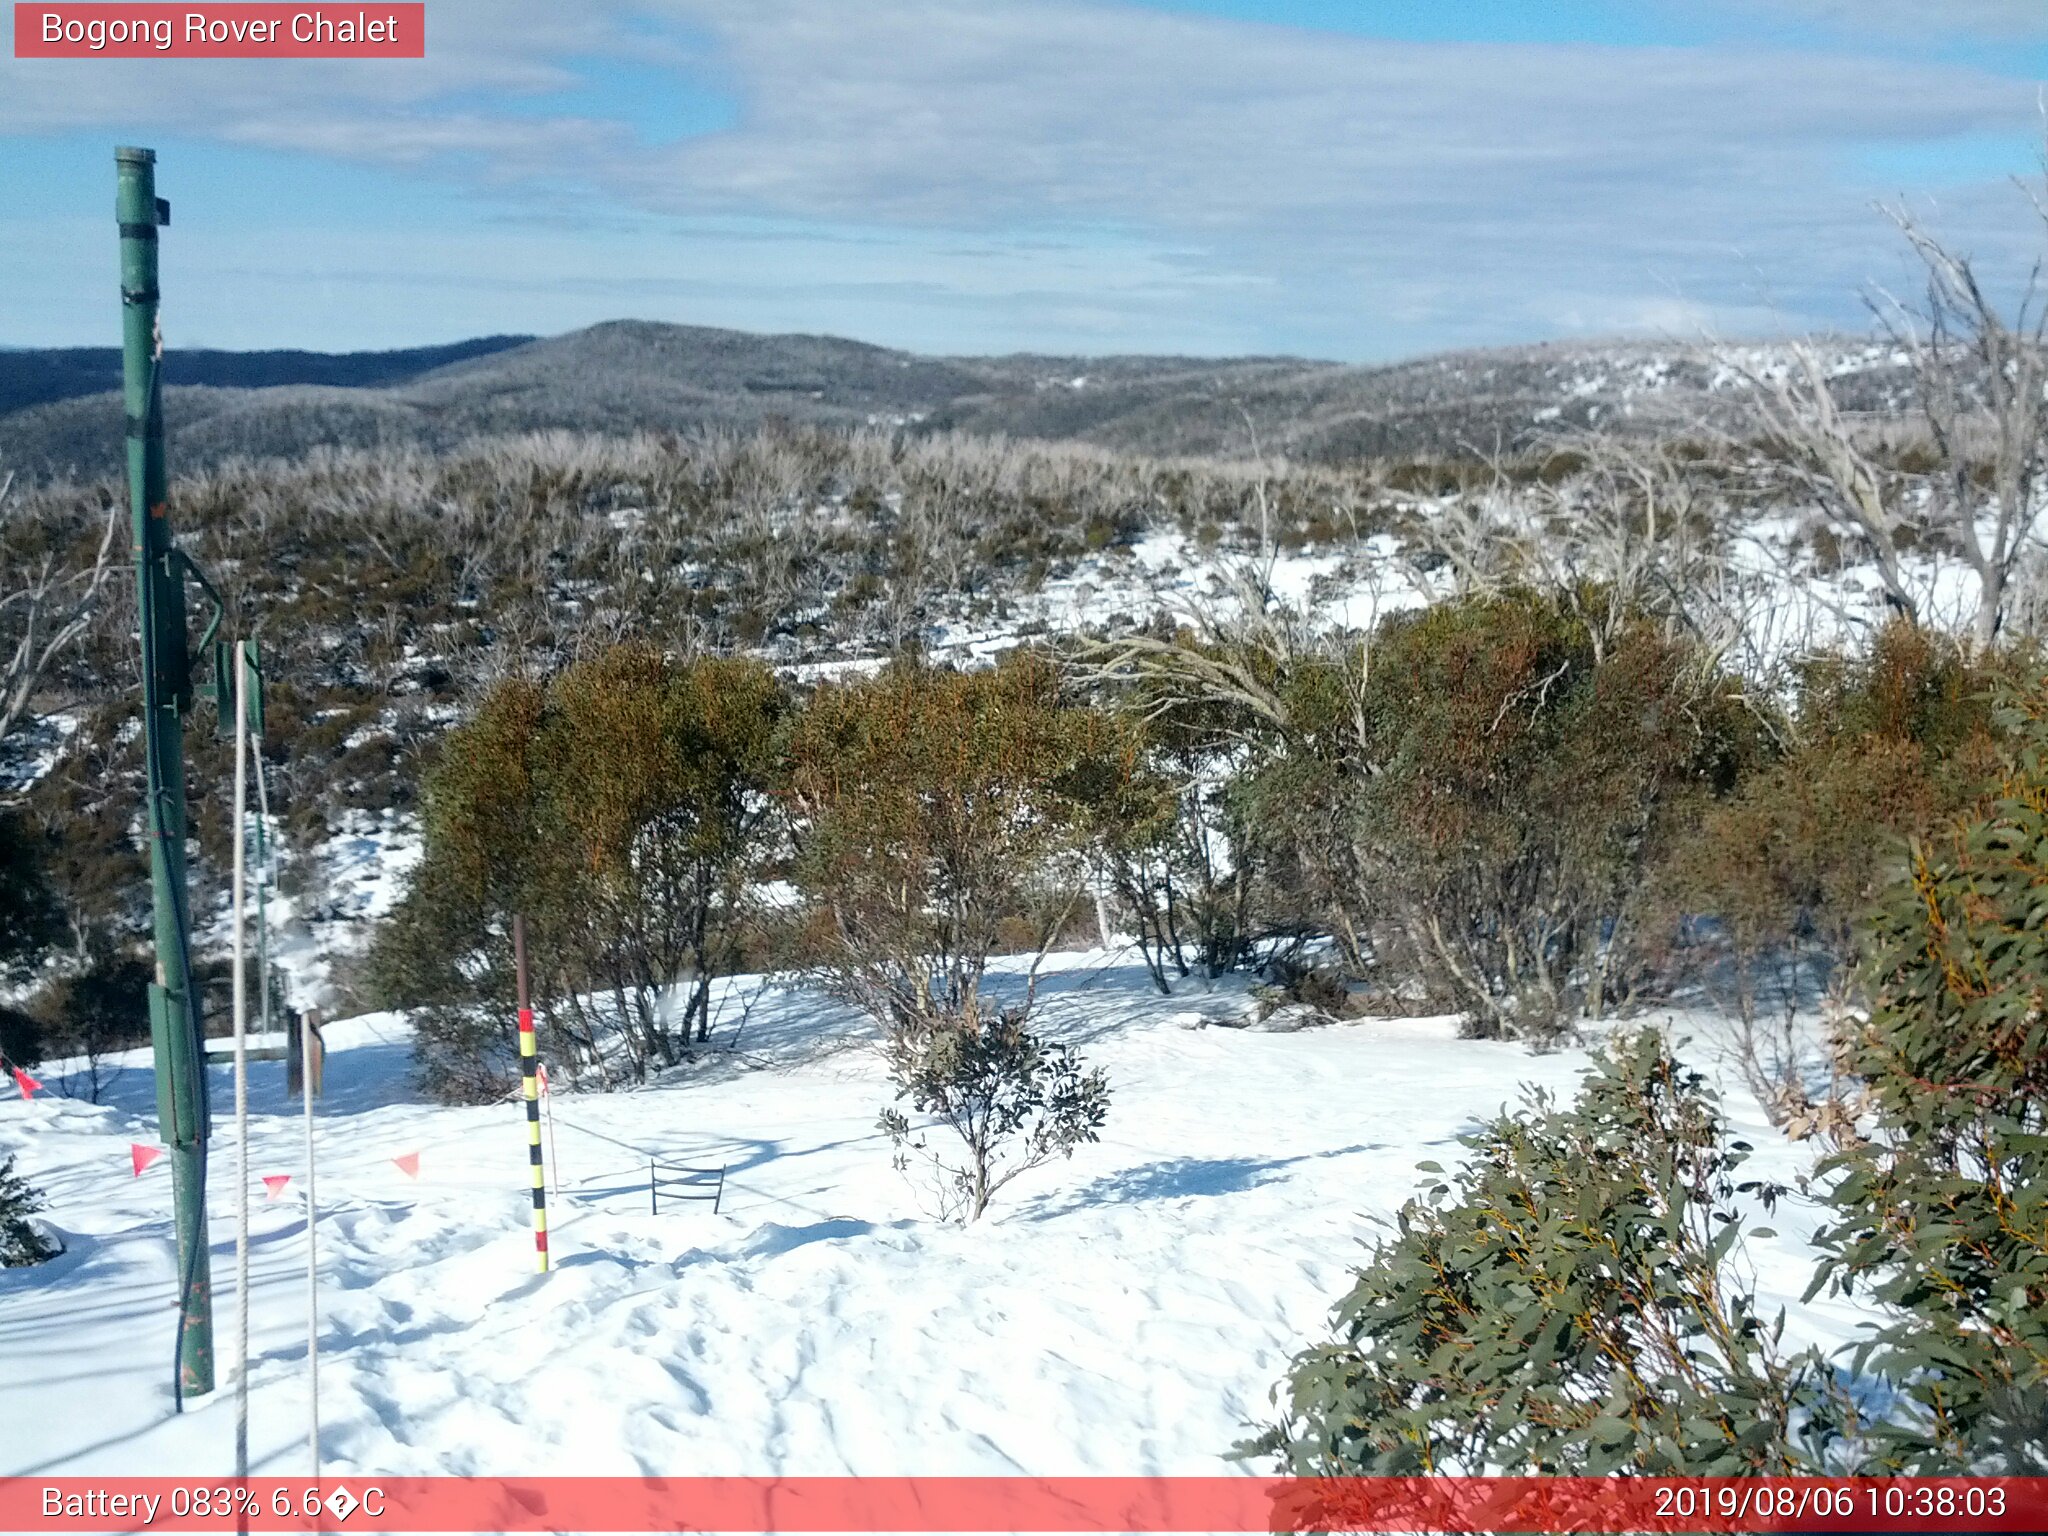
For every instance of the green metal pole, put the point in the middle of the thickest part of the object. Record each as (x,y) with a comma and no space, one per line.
(174,1018)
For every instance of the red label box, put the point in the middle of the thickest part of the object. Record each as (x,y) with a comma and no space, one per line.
(1082,1506)
(108,29)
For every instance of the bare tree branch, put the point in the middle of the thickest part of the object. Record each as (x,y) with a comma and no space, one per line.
(42,614)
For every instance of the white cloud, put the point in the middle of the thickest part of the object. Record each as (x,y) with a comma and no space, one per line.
(1336,194)
(2001,20)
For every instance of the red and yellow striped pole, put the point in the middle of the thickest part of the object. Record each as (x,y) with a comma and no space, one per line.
(528,1062)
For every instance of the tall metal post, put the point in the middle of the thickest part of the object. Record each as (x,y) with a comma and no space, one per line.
(174,1015)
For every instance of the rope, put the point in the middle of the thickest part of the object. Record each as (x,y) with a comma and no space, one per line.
(266,859)
(241,1070)
(312,1249)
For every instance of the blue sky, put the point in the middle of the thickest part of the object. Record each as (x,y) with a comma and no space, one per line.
(1357,179)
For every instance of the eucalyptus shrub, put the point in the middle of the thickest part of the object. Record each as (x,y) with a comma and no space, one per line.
(938,819)
(1561,1304)
(620,808)
(1477,797)
(1013,1101)
(1942,1209)
(1879,747)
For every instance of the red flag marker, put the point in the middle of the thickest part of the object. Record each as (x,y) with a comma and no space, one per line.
(542,1071)
(275,1183)
(408,1164)
(28,1085)
(142,1156)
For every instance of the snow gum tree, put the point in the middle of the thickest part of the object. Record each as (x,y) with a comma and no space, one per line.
(937,820)
(1973,484)
(934,817)
(1470,796)
(618,807)
(1875,748)
(1166,839)
(1941,1201)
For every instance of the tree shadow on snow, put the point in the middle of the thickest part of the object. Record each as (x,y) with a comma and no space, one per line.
(1182,1178)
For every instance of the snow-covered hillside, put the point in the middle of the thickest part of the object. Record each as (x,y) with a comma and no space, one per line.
(1123,1313)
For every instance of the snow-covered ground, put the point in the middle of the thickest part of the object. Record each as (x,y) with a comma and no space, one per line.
(1122,1313)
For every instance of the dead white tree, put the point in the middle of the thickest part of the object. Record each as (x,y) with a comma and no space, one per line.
(46,605)
(1981,382)
(1634,530)
(1824,448)
(1234,647)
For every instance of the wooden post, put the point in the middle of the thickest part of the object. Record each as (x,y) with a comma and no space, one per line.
(305,1055)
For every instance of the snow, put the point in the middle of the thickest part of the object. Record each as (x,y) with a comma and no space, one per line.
(1122,1313)
(39,744)
(344,884)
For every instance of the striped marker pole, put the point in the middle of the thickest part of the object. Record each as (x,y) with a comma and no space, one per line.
(528,1062)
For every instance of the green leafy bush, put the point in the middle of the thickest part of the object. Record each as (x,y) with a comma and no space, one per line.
(934,813)
(1481,794)
(1941,1211)
(616,807)
(1012,1100)
(1561,1304)
(1877,748)
(20,1242)
(1167,850)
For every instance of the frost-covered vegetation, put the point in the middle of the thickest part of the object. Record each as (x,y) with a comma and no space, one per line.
(1743,714)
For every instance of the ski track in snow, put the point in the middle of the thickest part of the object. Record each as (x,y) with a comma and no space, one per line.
(1122,1313)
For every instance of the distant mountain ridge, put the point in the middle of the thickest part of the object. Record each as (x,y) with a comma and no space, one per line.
(60,410)
(39,375)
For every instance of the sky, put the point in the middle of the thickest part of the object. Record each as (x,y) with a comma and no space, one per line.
(1350,179)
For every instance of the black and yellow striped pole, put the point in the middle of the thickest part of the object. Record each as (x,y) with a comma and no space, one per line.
(529,1062)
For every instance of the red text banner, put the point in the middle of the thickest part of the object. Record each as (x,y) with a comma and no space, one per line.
(990,1504)
(108,29)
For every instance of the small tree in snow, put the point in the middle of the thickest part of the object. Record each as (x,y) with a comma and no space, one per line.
(1014,1101)
(20,1242)
(937,821)
(936,824)
(620,808)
